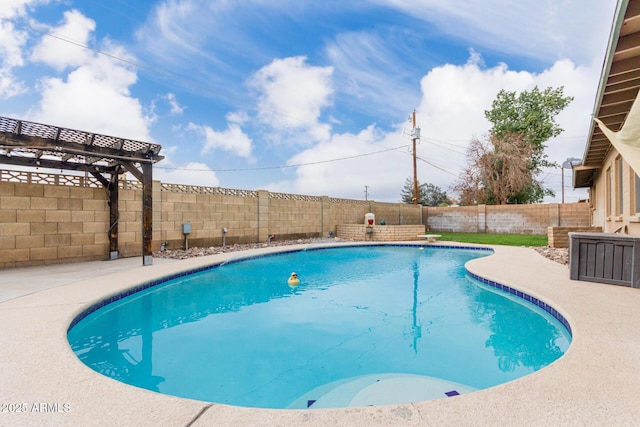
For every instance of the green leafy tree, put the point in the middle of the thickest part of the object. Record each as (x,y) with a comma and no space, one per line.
(428,194)
(532,116)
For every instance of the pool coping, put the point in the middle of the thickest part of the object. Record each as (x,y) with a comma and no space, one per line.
(594,383)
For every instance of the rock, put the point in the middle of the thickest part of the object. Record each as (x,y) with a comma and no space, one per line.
(559,255)
(212,250)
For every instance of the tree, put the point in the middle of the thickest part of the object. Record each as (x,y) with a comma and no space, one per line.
(532,114)
(528,118)
(498,170)
(428,194)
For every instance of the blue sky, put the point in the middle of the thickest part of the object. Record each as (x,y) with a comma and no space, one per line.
(300,96)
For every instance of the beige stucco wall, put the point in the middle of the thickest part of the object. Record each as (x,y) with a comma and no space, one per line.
(627,221)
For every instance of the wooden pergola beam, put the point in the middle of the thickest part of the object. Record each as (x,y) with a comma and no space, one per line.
(54,164)
(134,171)
(105,157)
(44,144)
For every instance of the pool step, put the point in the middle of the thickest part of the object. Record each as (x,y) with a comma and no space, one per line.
(379,389)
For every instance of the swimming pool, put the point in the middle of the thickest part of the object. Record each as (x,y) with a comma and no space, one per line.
(367,325)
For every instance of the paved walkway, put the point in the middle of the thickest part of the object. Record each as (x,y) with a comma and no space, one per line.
(17,282)
(42,382)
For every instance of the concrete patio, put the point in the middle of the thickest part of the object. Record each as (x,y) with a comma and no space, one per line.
(595,383)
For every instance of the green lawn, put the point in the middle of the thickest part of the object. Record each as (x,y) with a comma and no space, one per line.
(496,239)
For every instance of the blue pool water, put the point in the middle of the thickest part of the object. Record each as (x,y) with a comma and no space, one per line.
(366,325)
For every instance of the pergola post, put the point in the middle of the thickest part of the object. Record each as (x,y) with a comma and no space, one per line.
(114,216)
(147,212)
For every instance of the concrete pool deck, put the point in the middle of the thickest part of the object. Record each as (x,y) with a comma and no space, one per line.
(597,382)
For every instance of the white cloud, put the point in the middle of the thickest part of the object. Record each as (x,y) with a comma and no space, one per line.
(192,173)
(384,172)
(176,108)
(455,98)
(373,72)
(450,115)
(10,9)
(452,109)
(167,28)
(95,94)
(178,33)
(94,97)
(292,95)
(581,83)
(546,30)
(232,139)
(238,117)
(364,62)
(164,105)
(61,54)
(12,45)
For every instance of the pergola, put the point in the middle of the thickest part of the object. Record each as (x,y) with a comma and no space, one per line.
(619,85)
(105,157)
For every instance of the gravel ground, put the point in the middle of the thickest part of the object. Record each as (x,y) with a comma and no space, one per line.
(212,250)
(559,255)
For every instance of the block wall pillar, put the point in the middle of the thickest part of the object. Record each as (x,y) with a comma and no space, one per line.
(482,218)
(325,217)
(554,215)
(263,216)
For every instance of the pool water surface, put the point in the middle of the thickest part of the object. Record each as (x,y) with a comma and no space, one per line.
(366,325)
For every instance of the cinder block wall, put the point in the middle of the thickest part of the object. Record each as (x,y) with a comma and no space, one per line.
(344,211)
(42,224)
(295,216)
(461,219)
(50,218)
(559,236)
(574,215)
(508,219)
(380,233)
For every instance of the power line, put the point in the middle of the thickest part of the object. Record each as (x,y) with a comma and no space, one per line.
(438,167)
(154,70)
(190,82)
(177,78)
(444,144)
(283,166)
(166,74)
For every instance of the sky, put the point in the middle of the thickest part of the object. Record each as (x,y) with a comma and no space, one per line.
(302,97)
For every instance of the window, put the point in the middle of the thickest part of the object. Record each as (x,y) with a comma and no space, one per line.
(619,186)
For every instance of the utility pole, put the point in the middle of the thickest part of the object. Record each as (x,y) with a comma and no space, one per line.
(415,134)
(366,192)
(563,185)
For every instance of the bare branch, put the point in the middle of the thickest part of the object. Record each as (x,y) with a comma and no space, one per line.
(498,169)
